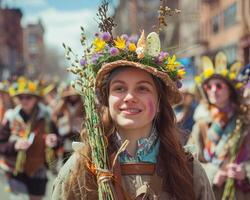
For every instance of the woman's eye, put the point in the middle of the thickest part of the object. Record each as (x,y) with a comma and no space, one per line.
(143,89)
(119,89)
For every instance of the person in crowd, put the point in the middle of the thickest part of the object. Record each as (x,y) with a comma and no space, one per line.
(184,112)
(68,115)
(221,140)
(28,138)
(5,100)
(135,98)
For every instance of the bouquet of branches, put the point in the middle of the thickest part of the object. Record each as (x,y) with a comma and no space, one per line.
(96,139)
(85,85)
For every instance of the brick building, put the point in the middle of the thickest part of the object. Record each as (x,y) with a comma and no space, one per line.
(11,41)
(225,26)
(33,42)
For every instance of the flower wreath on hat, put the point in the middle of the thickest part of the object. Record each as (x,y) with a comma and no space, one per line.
(107,52)
(220,70)
(25,86)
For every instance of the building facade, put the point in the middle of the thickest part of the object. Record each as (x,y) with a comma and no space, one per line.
(33,43)
(224,25)
(11,42)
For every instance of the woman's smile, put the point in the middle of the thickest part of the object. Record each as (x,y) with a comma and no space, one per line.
(130,111)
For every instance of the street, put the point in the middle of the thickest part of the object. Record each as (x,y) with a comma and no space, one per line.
(4,195)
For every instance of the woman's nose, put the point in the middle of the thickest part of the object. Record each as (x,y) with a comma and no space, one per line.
(129,97)
(213,88)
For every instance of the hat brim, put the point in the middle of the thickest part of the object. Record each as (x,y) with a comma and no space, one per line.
(69,93)
(26,93)
(174,95)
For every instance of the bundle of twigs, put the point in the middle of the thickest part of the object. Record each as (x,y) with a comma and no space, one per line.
(85,85)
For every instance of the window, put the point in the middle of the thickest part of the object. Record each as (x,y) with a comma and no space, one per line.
(215,24)
(32,39)
(230,15)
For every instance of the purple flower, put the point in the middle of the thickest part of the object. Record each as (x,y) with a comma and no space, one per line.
(83,62)
(106,36)
(133,38)
(162,56)
(113,51)
(125,37)
(127,44)
(95,58)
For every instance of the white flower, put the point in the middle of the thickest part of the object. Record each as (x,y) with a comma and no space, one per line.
(139,50)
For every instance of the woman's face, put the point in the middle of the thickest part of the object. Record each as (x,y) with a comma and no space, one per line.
(27,102)
(217,91)
(133,99)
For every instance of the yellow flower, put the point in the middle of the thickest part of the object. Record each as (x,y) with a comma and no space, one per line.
(238,85)
(172,63)
(208,72)
(99,44)
(198,79)
(32,87)
(21,86)
(12,91)
(232,76)
(224,72)
(181,73)
(21,79)
(132,47)
(120,43)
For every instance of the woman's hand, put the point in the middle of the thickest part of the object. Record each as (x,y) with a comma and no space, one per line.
(236,171)
(22,144)
(51,140)
(220,178)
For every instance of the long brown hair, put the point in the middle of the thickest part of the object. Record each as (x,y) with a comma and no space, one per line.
(178,181)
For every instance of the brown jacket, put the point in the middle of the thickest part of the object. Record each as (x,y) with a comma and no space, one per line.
(133,184)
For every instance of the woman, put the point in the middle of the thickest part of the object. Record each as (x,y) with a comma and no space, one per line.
(135,104)
(68,115)
(222,138)
(27,140)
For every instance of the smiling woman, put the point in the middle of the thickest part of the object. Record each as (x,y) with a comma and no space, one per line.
(136,86)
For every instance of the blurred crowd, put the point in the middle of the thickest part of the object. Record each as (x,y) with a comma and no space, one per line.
(39,122)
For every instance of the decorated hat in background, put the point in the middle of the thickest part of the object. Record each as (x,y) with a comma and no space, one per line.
(4,86)
(25,86)
(68,91)
(219,70)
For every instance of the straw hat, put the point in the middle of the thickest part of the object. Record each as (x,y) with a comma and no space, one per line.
(110,54)
(68,91)
(25,86)
(174,95)
(219,70)
(107,53)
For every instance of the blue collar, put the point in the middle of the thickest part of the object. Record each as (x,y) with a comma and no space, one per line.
(147,149)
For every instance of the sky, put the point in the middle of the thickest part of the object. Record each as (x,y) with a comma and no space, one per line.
(61,19)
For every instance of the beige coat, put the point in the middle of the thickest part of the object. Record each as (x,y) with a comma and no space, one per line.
(133,184)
